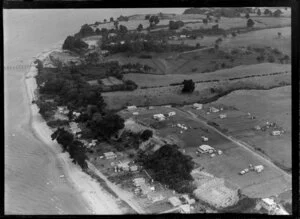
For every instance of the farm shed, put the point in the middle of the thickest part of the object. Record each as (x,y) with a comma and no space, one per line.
(174,201)
(198,106)
(110,155)
(259,168)
(206,148)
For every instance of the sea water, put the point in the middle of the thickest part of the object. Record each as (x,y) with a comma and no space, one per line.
(32,170)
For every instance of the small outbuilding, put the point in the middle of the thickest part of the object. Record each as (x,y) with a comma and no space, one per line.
(110,155)
(206,149)
(198,106)
(174,201)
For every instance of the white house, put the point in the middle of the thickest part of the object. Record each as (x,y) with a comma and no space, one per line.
(135,113)
(154,197)
(131,107)
(171,114)
(182,36)
(222,116)
(257,127)
(259,168)
(122,42)
(133,168)
(198,106)
(110,155)
(206,149)
(159,117)
(276,132)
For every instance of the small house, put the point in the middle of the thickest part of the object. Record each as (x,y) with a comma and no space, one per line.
(276,132)
(206,149)
(159,117)
(135,113)
(185,209)
(182,36)
(174,201)
(139,181)
(124,165)
(213,109)
(133,168)
(131,107)
(198,106)
(259,168)
(204,138)
(122,42)
(171,114)
(76,114)
(111,35)
(110,155)
(112,43)
(222,116)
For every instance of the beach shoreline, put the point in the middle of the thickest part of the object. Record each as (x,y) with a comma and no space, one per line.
(98,200)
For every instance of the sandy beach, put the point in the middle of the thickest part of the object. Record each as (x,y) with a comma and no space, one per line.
(98,200)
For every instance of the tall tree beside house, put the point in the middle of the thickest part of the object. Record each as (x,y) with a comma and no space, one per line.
(63,137)
(111,19)
(247,16)
(188,86)
(140,28)
(258,12)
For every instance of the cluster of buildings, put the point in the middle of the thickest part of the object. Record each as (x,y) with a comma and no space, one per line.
(258,169)
(162,117)
(278,131)
(272,207)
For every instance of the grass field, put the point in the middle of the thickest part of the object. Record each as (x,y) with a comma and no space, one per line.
(229,164)
(271,105)
(203,92)
(144,80)
(262,38)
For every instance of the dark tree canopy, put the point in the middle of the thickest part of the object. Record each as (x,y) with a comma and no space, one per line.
(173,25)
(140,27)
(258,12)
(75,45)
(146,134)
(188,86)
(169,165)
